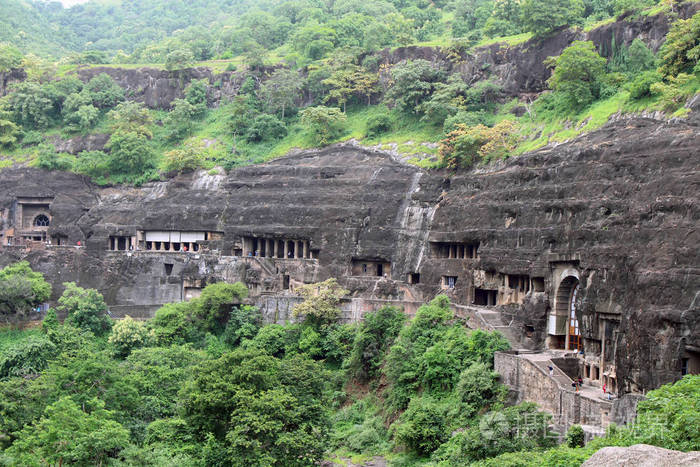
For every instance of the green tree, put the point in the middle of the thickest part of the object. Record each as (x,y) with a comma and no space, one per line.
(21,288)
(10,57)
(542,17)
(681,51)
(104,91)
(68,434)
(266,127)
(179,60)
(27,357)
(324,123)
(422,428)
(129,154)
(196,94)
(374,337)
(264,410)
(321,301)
(668,416)
(578,74)
(215,303)
(281,90)
(9,131)
(187,158)
(180,120)
(78,112)
(172,324)
(85,308)
(243,323)
(413,82)
(130,117)
(127,335)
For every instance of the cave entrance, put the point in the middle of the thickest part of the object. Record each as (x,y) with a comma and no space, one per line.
(485,297)
(690,363)
(567,298)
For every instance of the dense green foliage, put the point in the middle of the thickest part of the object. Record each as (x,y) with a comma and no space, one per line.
(21,289)
(205,383)
(310,73)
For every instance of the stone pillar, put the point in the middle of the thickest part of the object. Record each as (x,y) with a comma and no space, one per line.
(286,249)
(306,248)
(275,249)
(298,249)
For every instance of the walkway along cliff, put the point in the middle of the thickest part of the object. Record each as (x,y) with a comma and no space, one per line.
(588,249)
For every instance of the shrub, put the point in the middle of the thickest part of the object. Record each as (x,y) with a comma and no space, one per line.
(216,300)
(378,124)
(542,17)
(673,94)
(49,159)
(681,51)
(641,86)
(422,428)
(465,145)
(244,322)
(85,309)
(104,91)
(172,324)
(321,301)
(324,123)
(21,288)
(375,335)
(128,335)
(266,127)
(27,357)
(190,157)
(270,339)
(86,438)
(578,74)
(575,437)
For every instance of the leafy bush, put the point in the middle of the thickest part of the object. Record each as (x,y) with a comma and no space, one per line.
(542,17)
(266,127)
(172,324)
(512,429)
(244,322)
(681,51)
(575,437)
(49,159)
(266,410)
(321,301)
(375,335)
(21,288)
(104,91)
(209,310)
(641,86)
(464,146)
(378,124)
(187,158)
(324,123)
(422,428)
(86,437)
(128,335)
(413,83)
(269,339)
(27,357)
(668,416)
(578,74)
(674,93)
(85,309)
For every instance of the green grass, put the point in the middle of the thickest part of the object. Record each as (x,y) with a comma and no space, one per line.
(509,40)
(591,26)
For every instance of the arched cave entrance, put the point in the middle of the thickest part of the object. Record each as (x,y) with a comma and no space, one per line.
(567,300)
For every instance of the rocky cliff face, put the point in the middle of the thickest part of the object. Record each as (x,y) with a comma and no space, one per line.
(605,225)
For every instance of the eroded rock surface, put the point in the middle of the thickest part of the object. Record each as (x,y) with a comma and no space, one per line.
(641,455)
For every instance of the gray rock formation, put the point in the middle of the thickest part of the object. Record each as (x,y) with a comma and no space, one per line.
(641,455)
